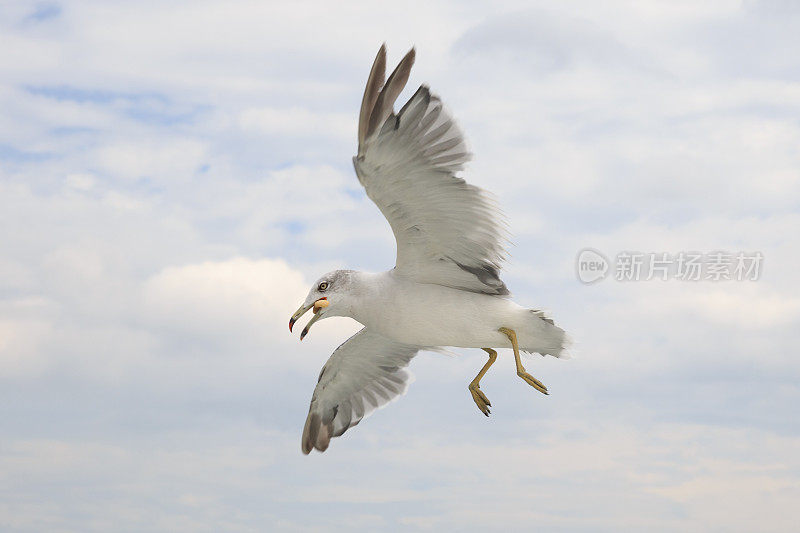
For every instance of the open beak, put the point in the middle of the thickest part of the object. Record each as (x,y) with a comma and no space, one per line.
(300,312)
(318,305)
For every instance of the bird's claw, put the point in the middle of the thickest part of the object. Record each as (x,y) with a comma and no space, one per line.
(533,382)
(480,399)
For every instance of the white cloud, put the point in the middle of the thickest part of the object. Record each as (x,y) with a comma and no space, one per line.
(173,160)
(237,298)
(681,476)
(239,302)
(173,176)
(21,346)
(297,122)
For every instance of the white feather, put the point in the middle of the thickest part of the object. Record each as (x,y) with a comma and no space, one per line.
(363,374)
(448,232)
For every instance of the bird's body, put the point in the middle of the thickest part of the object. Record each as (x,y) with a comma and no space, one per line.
(426,314)
(445,288)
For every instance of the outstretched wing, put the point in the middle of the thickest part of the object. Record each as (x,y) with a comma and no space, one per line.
(448,232)
(363,374)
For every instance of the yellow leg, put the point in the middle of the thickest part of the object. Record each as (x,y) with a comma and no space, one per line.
(478,396)
(530,380)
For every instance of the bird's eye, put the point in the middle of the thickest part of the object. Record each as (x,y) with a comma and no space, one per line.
(323,286)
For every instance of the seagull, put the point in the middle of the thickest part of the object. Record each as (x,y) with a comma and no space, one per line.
(445,289)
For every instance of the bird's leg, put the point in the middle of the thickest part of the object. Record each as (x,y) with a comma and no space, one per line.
(478,396)
(530,380)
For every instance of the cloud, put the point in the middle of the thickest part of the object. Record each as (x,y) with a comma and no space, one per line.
(296,121)
(543,43)
(242,299)
(679,474)
(174,176)
(176,160)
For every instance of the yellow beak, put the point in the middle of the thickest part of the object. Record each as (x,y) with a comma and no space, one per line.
(318,305)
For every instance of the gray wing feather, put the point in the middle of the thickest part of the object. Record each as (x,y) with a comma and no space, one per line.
(394,86)
(363,374)
(448,232)
(371,92)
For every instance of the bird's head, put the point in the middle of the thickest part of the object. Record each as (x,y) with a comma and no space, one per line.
(329,296)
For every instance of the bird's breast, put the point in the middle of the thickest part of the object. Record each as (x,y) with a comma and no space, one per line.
(432,315)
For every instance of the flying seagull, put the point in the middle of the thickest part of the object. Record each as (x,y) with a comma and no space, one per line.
(445,288)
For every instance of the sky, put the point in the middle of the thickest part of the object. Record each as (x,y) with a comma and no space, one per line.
(175,175)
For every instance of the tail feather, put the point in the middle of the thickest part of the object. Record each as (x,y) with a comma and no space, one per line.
(549,338)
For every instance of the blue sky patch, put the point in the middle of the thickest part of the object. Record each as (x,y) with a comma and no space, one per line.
(43,12)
